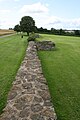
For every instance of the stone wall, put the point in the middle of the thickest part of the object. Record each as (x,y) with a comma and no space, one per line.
(45,45)
(29,97)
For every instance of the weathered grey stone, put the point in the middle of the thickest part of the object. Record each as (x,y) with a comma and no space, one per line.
(47,103)
(48,112)
(44,94)
(36,107)
(41,86)
(9,118)
(45,45)
(20,105)
(27,98)
(27,86)
(12,95)
(37,100)
(24,119)
(25,112)
(17,82)
(37,117)
(13,118)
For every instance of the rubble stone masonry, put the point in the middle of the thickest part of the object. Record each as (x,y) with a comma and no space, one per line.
(29,97)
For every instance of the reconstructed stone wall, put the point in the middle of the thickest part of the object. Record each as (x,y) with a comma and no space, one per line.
(45,45)
(29,98)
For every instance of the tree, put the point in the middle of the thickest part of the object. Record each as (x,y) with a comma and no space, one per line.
(53,31)
(77,32)
(27,24)
(10,28)
(17,28)
(61,32)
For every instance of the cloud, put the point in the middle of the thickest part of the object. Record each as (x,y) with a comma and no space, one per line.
(40,13)
(16,0)
(6,23)
(75,23)
(53,20)
(4,11)
(34,8)
(6,19)
(71,23)
(57,22)
(1,0)
(9,0)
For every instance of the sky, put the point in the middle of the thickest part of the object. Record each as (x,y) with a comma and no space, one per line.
(46,13)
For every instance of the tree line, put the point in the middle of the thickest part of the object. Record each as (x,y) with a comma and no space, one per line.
(27,24)
(59,31)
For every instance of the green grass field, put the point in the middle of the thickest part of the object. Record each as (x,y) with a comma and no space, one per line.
(61,68)
(12,51)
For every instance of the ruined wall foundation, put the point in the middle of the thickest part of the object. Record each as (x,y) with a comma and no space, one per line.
(29,97)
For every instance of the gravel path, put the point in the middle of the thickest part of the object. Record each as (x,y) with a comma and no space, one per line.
(6,35)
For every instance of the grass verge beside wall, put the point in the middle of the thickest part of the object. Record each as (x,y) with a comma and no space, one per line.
(12,51)
(62,71)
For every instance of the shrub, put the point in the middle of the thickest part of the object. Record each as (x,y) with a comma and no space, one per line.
(31,37)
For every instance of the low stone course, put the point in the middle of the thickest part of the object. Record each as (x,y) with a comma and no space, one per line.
(45,45)
(29,97)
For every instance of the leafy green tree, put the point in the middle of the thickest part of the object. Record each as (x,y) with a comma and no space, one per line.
(27,24)
(61,32)
(53,31)
(17,28)
(77,32)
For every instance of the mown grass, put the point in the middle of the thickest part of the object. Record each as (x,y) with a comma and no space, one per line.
(12,51)
(61,68)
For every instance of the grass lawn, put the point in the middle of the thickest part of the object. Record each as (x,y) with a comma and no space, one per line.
(12,51)
(61,68)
